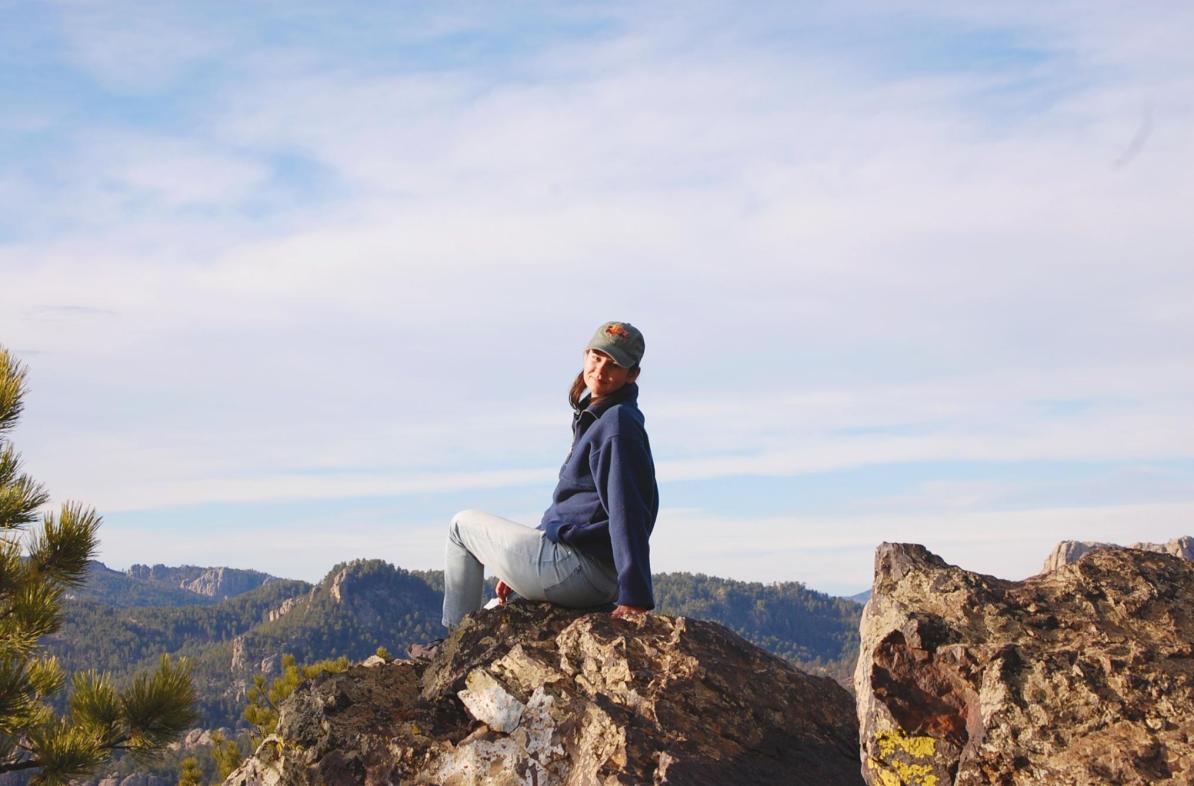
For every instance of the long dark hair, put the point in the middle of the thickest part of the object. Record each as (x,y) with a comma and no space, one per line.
(579,388)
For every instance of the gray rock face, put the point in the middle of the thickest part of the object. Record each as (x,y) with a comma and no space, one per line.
(218,583)
(142,779)
(1084,675)
(533,694)
(1069,551)
(288,605)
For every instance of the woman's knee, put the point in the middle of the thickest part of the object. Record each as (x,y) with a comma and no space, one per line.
(461,516)
(466,520)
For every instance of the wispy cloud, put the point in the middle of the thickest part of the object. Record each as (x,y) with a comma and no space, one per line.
(130,48)
(835,554)
(355,254)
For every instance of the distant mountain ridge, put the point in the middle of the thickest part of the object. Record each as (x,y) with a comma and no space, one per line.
(357,607)
(815,631)
(1069,551)
(159,585)
(217,583)
(119,621)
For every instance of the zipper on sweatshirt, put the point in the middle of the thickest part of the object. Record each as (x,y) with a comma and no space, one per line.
(577,434)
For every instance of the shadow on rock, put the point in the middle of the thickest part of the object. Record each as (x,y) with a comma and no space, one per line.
(534,694)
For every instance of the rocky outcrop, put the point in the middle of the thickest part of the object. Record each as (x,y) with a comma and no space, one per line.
(137,779)
(357,591)
(1084,675)
(533,694)
(288,605)
(1069,551)
(198,738)
(217,583)
(238,655)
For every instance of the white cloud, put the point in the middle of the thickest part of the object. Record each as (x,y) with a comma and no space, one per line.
(295,551)
(836,554)
(839,258)
(174,172)
(132,47)
(164,459)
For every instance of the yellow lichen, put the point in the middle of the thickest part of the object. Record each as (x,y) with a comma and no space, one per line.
(889,771)
(898,773)
(883,777)
(892,740)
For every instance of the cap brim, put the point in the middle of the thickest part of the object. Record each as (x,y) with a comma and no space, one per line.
(618,356)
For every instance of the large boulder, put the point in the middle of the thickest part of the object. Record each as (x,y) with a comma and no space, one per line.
(533,694)
(1084,675)
(1068,551)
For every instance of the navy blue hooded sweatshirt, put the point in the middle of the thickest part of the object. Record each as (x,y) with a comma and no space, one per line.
(606,501)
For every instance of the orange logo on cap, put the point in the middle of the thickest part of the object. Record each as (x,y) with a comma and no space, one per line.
(617,331)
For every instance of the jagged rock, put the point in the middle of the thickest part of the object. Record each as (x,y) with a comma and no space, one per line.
(287,606)
(360,594)
(1069,551)
(533,694)
(1084,675)
(338,584)
(238,654)
(195,738)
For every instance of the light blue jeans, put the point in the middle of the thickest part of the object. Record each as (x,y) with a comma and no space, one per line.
(525,559)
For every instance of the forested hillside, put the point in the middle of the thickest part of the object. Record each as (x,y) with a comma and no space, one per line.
(815,631)
(356,608)
(115,588)
(362,605)
(97,635)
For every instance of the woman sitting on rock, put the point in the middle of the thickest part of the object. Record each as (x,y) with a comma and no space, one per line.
(591,547)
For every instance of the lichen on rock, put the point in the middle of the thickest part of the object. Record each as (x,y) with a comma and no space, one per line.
(488,701)
(1081,675)
(534,694)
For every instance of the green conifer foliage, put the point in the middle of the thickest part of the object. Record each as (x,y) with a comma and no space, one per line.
(226,754)
(36,568)
(262,710)
(191,773)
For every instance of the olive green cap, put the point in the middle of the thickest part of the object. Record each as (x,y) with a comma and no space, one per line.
(622,341)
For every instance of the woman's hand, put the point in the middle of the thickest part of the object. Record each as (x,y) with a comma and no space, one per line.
(628,611)
(502,590)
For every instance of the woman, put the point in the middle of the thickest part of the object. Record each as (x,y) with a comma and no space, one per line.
(591,547)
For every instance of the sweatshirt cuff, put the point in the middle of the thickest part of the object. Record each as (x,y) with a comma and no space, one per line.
(642,602)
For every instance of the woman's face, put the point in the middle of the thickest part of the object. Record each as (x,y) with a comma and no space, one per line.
(602,375)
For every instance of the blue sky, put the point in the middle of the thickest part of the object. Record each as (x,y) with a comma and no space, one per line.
(294,286)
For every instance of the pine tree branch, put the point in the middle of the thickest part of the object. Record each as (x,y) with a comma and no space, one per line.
(19,765)
(12,386)
(154,710)
(119,744)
